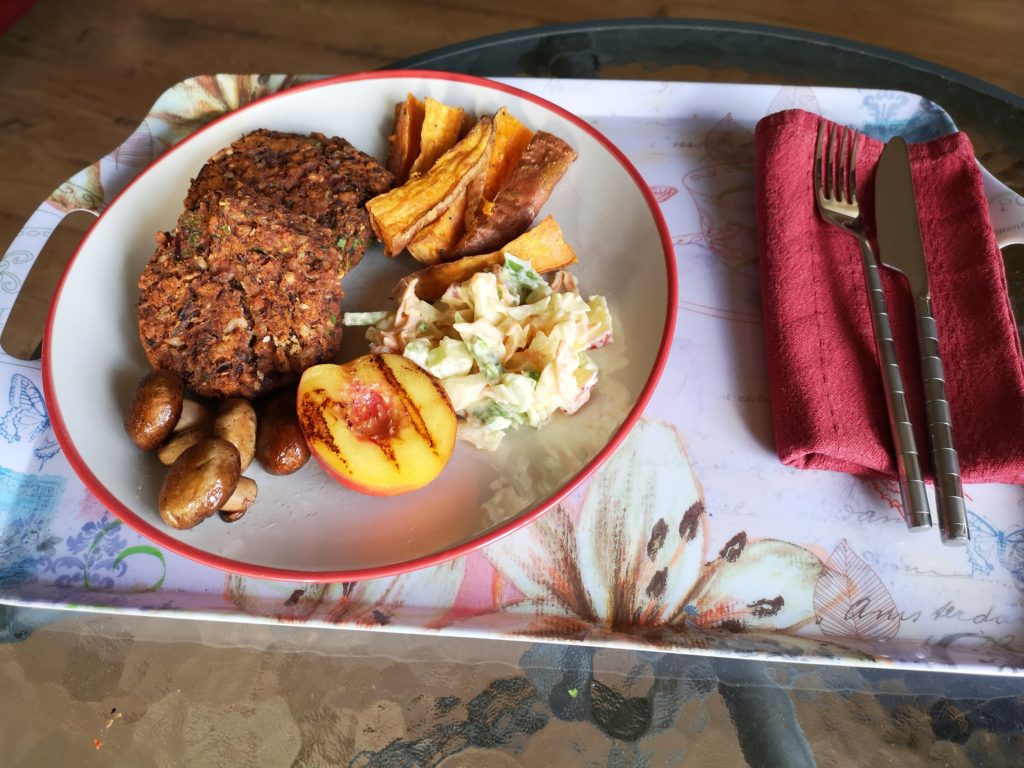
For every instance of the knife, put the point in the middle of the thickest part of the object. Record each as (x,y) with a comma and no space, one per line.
(900,248)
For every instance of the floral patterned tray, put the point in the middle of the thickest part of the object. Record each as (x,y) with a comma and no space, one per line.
(692,537)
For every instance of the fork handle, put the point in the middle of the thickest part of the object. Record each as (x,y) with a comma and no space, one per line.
(949,492)
(908,464)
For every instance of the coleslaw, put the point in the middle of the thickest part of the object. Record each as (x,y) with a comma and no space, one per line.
(509,348)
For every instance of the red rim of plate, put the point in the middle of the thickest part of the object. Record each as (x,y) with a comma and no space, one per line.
(177,546)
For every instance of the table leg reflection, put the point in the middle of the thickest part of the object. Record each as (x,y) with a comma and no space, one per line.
(149,690)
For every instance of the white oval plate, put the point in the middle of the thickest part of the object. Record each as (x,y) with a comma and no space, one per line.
(306,526)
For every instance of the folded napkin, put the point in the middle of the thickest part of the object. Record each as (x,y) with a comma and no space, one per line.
(828,406)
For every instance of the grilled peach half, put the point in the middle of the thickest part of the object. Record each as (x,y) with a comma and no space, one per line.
(379,424)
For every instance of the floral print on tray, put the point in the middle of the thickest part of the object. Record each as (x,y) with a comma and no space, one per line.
(690,538)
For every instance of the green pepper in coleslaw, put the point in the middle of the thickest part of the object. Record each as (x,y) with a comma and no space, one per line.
(509,348)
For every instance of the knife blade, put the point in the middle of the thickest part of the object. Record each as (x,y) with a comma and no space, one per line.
(901,248)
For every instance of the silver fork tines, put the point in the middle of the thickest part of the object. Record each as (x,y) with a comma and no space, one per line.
(837,197)
(836,200)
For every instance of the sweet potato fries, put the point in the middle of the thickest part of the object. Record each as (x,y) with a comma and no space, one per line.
(463,195)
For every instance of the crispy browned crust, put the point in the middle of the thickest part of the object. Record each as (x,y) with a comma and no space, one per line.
(399,215)
(242,297)
(542,164)
(543,246)
(324,178)
(404,142)
(246,292)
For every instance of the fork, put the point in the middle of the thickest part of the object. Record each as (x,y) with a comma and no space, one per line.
(836,198)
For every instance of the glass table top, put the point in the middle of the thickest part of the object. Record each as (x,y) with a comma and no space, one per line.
(149,691)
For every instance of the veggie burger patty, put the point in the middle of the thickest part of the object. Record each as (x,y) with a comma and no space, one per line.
(246,292)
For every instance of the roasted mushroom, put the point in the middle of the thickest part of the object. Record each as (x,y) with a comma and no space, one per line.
(199,483)
(193,415)
(236,423)
(178,443)
(280,445)
(155,409)
(240,501)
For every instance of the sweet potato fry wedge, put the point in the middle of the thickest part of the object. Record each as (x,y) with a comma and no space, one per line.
(543,246)
(510,140)
(398,215)
(436,239)
(474,199)
(405,141)
(543,163)
(468,121)
(441,128)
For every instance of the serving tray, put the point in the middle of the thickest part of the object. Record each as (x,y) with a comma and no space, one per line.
(691,538)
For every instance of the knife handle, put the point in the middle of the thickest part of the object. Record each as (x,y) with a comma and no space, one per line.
(949,492)
(908,462)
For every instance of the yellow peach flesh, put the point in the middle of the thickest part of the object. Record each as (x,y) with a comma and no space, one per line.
(379,424)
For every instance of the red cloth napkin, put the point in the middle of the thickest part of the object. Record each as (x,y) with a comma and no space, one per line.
(828,407)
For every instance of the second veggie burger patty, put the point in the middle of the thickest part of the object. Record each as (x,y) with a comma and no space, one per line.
(246,292)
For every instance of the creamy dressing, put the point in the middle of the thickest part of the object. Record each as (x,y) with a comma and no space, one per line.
(509,348)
